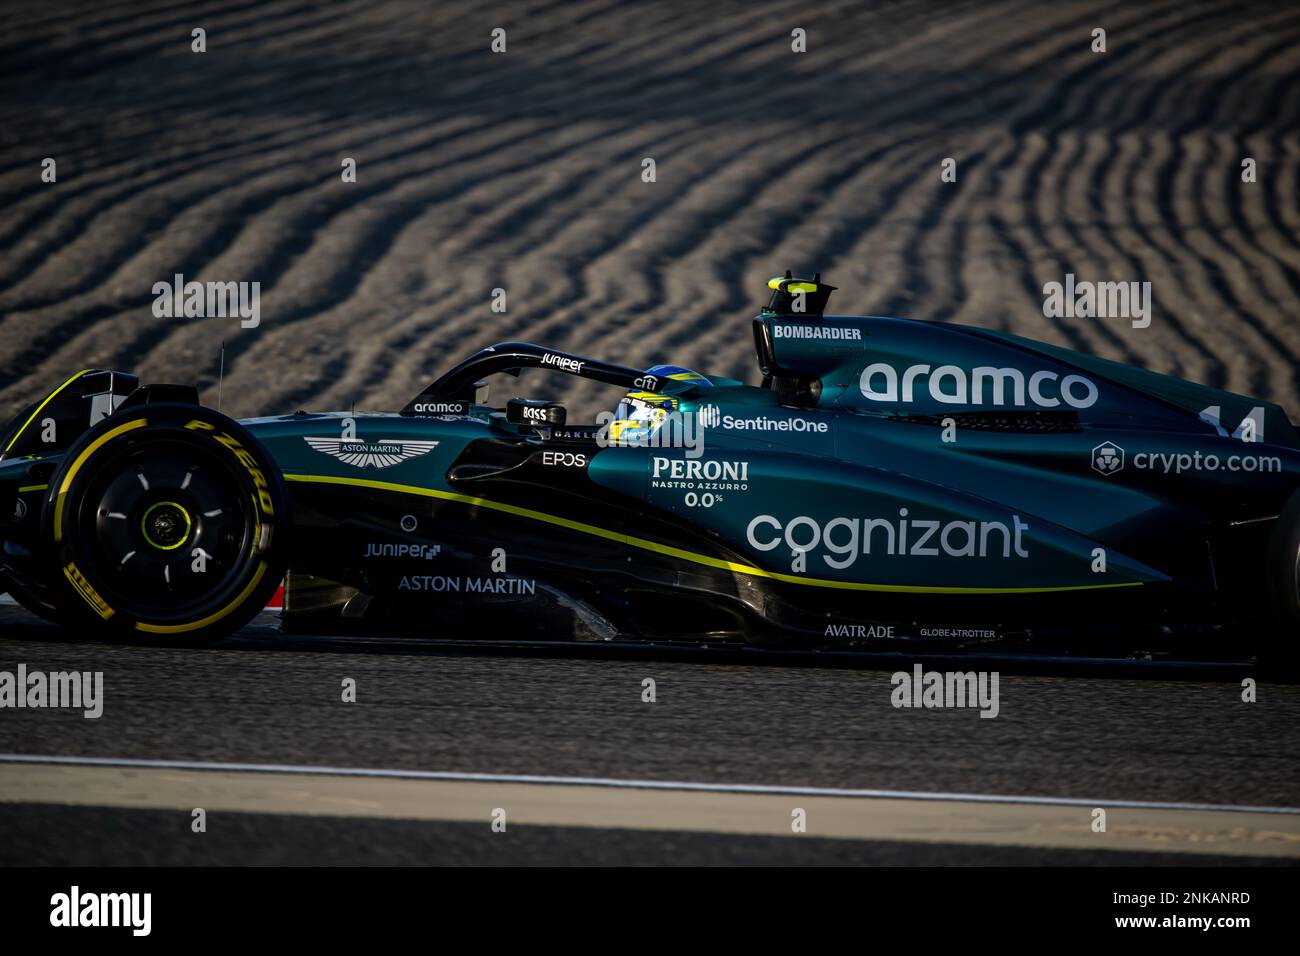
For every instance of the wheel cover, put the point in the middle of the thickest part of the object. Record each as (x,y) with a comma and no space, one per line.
(164,530)
(166,525)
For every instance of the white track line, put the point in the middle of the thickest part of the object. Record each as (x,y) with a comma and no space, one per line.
(629,784)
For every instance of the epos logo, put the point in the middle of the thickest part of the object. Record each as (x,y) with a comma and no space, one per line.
(1107,458)
(564,459)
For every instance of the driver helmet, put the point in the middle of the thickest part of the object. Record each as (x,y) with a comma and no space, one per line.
(640,414)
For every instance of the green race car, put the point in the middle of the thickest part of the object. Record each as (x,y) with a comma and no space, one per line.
(888,482)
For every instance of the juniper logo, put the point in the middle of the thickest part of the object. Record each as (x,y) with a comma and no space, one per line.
(75,908)
(564,362)
(196,300)
(1107,458)
(372,454)
(423,552)
(76,690)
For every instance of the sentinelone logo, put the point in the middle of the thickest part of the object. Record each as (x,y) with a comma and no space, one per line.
(711,417)
(74,908)
(1109,458)
(78,690)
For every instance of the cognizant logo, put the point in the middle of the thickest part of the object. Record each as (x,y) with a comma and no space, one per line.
(985,385)
(845,539)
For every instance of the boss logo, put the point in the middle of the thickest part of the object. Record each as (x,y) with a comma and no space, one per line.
(535,414)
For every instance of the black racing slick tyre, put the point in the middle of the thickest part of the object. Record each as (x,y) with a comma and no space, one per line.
(165,523)
(1283,571)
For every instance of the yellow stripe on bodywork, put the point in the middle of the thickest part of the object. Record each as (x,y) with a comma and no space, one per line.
(685,555)
(81,460)
(41,407)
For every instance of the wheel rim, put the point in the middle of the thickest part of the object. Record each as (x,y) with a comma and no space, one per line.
(164,531)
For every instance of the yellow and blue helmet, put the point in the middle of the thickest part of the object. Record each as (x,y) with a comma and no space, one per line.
(639,414)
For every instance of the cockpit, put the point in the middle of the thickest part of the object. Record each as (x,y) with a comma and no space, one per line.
(650,399)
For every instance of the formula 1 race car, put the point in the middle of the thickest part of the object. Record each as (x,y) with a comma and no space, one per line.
(889,481)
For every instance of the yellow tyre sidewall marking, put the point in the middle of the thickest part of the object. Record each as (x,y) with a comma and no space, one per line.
(81,460)
(211,618)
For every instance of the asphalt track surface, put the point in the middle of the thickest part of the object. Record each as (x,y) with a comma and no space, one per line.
(258,699)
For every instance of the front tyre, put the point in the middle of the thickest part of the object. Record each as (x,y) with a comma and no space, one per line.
(166,522)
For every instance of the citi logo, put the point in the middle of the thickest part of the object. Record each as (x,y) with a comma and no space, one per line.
(1107,458)
(985,385)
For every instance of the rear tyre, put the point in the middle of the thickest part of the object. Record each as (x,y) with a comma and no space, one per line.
(166,523)
(1283,570)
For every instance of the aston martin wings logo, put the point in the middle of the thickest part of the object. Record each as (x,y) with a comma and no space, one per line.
(372,454)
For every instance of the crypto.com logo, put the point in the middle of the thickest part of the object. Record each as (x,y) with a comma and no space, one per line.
(1107,458)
